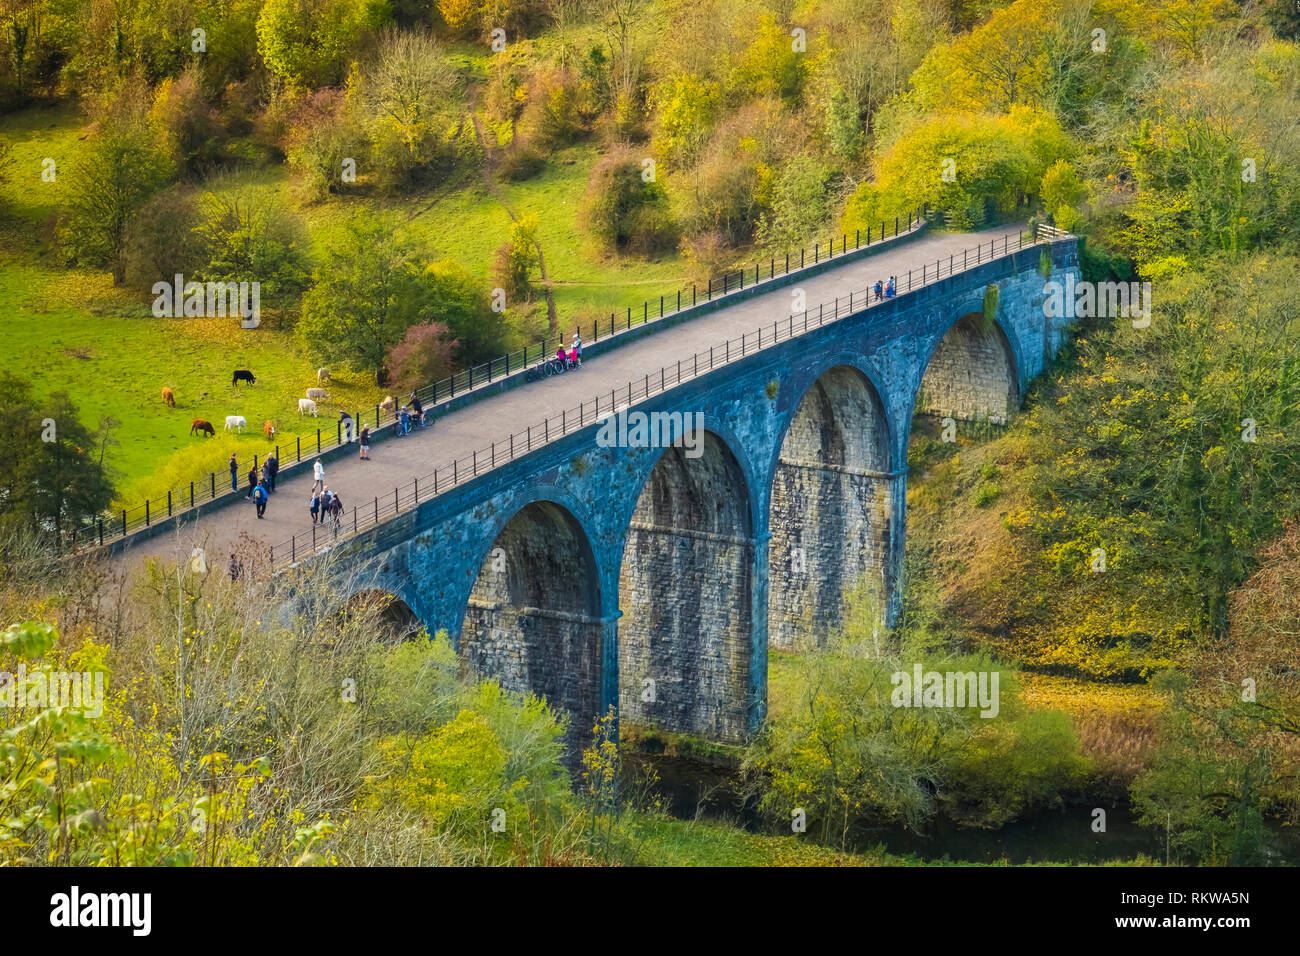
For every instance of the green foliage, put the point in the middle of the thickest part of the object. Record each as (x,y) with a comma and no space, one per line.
(1206,786)
(802,197)
(248,236)
(847,756)
(1145,450)
(52,480)
(688,107)
(990,162)
(623,211)
(120,169)
(365,295)
(305,42)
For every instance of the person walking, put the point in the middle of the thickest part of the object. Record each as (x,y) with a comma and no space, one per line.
(252,483)
(274,462)
(325,498)
(266,474)
(234,473)
(318,472)
(365,442)
(259,498)
(315,507)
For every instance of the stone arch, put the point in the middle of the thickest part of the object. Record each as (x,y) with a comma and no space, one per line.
(686,596)
(831,511)
(971,374)
(533,621)
(394,616)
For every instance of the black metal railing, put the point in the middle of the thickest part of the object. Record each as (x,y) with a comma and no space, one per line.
(211,486)
(468,467)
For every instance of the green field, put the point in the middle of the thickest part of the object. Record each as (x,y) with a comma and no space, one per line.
(71,330)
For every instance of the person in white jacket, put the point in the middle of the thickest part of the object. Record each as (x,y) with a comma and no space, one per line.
(318,472)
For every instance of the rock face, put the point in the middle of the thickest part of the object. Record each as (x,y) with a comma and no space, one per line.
(652,580)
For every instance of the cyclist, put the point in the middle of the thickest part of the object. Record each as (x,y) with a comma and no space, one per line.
(574,358)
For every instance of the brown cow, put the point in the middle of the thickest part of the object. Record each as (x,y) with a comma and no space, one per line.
(199,425)
(169,398)
(269,429)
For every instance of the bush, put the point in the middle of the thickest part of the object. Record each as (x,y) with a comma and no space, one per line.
(622,211)
(423,355)
(323,133)
(161,240)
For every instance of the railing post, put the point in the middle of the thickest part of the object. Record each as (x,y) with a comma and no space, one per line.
(169,504)
(100,522)
(857,238)
(212,476)
(191,494)
(318,441)
(123,521)
(146,512)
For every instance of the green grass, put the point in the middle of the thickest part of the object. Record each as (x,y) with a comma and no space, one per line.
(663,841)
(69,329)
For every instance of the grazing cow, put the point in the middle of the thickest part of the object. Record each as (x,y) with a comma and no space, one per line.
(317,394)
(200,426)
(306,405)
(242,375)
(268,429)
(388,404)
(169,398)
(236,422)
(322,375)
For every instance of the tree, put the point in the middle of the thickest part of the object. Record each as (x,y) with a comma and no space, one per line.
(52,478)
(364,297)
(516,260)
(410,97)
(621,209)
(423,355)
(247,236)
(304,42)
(123,167)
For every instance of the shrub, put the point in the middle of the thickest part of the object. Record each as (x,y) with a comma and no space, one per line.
(622,211)
(423,355)
(161,240)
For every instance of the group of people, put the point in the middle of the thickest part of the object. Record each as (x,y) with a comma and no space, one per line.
(885,290)
(409,416)
(324,504)
(261,485)
(573,357)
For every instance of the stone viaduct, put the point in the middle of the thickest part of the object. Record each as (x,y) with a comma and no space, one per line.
(652,579)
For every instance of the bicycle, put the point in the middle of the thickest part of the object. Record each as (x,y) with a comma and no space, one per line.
(545,369)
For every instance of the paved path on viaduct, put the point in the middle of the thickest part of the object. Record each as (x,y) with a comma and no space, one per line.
(652,576)
(396,463)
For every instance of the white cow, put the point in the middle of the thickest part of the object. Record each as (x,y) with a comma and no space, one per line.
(306,405)
(317,394)
(322,375)
(236,422)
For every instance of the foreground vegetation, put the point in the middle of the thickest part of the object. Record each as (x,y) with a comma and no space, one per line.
(1125,556)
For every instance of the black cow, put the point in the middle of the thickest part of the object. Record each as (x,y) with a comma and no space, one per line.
(242,375)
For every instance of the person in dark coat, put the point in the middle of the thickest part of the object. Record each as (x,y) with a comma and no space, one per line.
(234,473)
(274,464)
(252,482)
(259,498)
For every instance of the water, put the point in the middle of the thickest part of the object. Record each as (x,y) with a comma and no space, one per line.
(1051,836)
